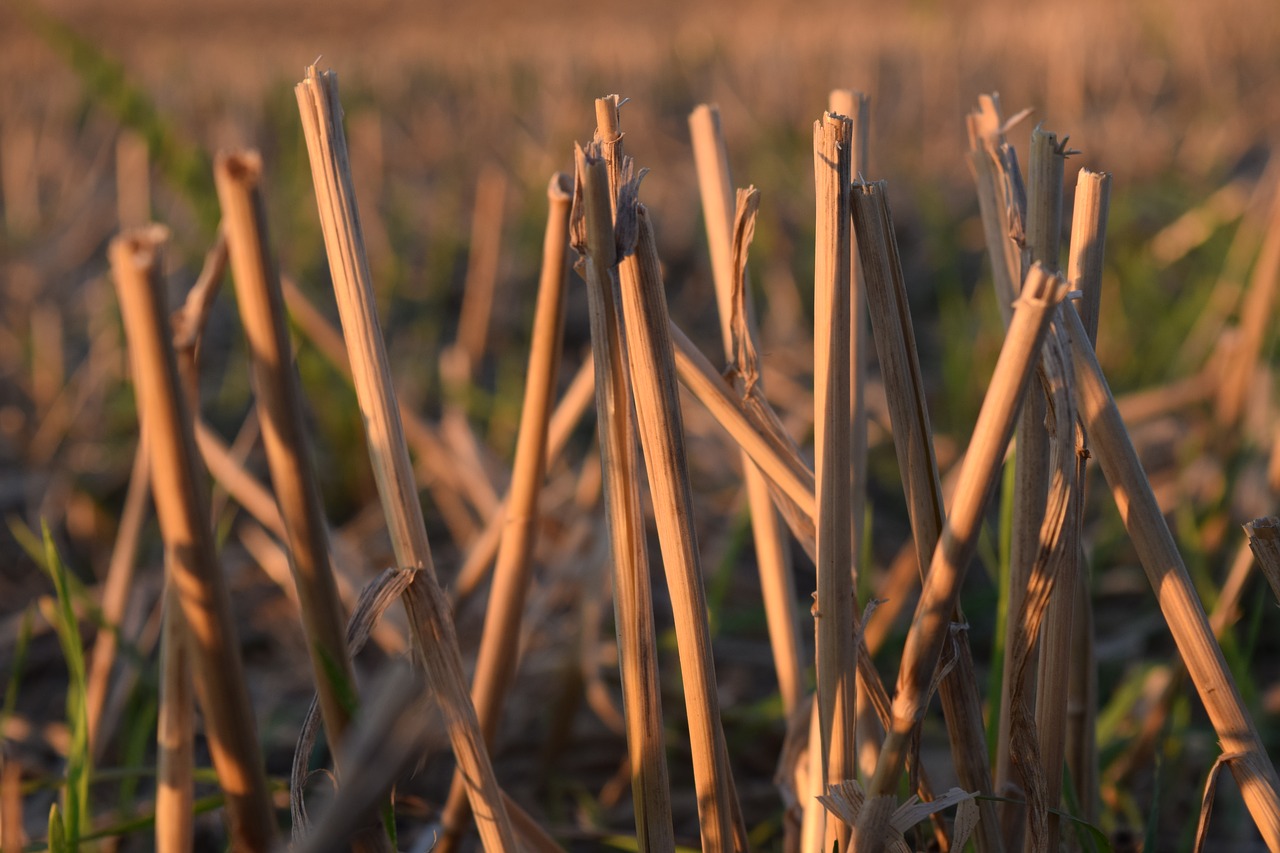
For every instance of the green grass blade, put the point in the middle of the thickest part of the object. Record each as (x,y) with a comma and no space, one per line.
(75,811)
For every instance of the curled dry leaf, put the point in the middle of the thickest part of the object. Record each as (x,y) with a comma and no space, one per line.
(374,600)
(847,800)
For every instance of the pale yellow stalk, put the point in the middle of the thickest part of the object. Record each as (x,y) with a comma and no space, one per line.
(499,642)
(637,643)
(427,606)
(719,206)
(182,506)
(856,106)
(1111,446)
(279,402)
(978,478)
(577,399)
(1264,540)
(651,368)
(1033,473)
(1084,273)
(175,734)
(835,605)
(913,442)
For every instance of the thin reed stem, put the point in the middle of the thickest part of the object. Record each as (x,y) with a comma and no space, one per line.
(654,390)
(116,592)
(480,287)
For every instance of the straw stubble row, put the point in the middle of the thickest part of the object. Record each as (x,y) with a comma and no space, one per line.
(639,354)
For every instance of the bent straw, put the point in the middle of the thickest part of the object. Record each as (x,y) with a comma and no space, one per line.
(1111,445)
(979,474)
(427,606)
(238,178)
(181,505)
(633,600)
(719,210)
(499,642)
(913,444)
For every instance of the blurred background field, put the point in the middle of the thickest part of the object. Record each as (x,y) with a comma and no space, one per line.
(111,113)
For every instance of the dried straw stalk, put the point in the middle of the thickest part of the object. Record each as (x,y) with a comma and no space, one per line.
(481,283)
(1002,200)
(1111,445)
(499,642)
(238,180)
(1256,322)
(855,105)
(1088,243)
(1033,473)
(116,592)
(427,606)
(637,643)
(181,504)
(175,732)
(835,605)
(120,571)
(1224,614)
(651,367)
(719,209)
(1084,273)
(1264,541)
(979,474)
(913,442)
